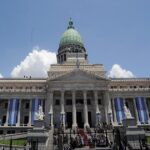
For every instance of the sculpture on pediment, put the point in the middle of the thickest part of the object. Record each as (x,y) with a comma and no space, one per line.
(127,112)
(39,115)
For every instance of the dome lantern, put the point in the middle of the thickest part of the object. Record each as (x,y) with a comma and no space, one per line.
(70,24)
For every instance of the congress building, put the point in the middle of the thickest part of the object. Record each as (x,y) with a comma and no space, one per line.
(75,93)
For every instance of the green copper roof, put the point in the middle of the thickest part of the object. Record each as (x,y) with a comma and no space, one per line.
(71,36)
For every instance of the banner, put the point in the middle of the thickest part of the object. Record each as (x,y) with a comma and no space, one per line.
(141,109)
(13,112)
(119,109)
(35,107)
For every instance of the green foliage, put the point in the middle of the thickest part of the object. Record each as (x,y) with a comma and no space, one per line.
(18,142)
(148,139)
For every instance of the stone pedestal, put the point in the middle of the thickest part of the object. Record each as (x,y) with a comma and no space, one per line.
(127,122)
(132,132)
(38,136)
(39,124)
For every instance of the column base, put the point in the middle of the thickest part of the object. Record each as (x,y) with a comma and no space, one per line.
(86,125)
(17,124)
(74,126)
(29,124)
(51,127)
(5,125)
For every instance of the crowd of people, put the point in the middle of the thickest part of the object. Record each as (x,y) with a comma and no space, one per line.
(98,140)
(77,140)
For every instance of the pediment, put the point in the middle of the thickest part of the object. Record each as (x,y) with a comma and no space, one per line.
(78,75)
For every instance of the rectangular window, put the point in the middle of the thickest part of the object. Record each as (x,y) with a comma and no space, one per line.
(6,105)
(79,101)
(69,102)
(26,120)
(4,120)
(57,102)
(27,105)
(88,101)
(99,101)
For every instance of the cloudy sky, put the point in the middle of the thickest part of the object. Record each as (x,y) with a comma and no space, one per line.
(115,33)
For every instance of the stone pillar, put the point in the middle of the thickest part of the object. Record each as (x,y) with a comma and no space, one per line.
(109,108)
(7,116)
(62,113)
(96,107)
(19,114)
(96,102)
(136,112)
(51,109)
(106,105)
(114,110)
(147,110)
(30,113)
(74,125)
(86,123)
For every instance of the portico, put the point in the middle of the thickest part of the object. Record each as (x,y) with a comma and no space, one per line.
(77,105)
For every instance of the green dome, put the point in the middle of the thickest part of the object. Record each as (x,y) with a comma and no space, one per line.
(71,36)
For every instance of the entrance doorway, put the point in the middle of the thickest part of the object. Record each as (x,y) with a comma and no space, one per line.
(79,119)
(69,119)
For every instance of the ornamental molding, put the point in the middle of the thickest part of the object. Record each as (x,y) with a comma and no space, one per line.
(84,74)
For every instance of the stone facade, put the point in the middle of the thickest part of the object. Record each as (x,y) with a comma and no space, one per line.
(75,94)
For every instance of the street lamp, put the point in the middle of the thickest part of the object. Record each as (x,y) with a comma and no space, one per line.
(62,120)
(50,117)
(110,117)
(98,118)
(3,141)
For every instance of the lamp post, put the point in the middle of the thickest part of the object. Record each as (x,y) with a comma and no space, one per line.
(62,118)
(98,118)
(50,117)
(110,117)
(10,146)
(3,141)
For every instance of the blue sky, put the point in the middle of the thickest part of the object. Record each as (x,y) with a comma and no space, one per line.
(114,32)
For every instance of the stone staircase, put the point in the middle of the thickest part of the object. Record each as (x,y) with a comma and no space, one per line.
(49,144)
(85,138)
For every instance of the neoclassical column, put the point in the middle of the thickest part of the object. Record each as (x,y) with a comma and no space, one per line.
(86,123)
(74,125)
(146,110)
(19,113)
(51,109)
(7,116)
(136,112)
(96,101)
(96,107)
(106,105)
(114,110)
(62,113)
(30,111)
(109,108)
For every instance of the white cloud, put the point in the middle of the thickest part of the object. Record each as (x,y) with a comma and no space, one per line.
(1,76)
(36,64)
(118,72)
